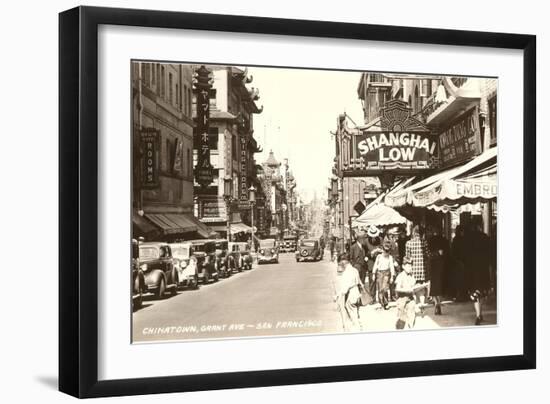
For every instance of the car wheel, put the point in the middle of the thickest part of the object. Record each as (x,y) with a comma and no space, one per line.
(161,289)
(137,302)
(174,290)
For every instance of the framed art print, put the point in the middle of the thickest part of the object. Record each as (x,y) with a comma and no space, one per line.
(251,201)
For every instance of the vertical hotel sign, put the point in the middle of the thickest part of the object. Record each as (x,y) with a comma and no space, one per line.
(202,87)
(149,145)
(243,177)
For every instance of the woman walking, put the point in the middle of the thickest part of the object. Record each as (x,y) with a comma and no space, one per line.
(416,249)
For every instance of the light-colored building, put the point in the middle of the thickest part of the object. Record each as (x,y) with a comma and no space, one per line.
(163,151)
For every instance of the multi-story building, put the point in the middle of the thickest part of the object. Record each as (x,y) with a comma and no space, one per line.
(459,112)
(232,149)
(162,144)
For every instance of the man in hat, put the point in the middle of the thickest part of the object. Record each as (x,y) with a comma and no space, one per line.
(357,258)
(391,238)
(373,248)
(384,273)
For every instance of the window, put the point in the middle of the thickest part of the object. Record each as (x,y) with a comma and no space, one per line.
(493,120)
(190,100)
(158,78)
(177,97)
(213,138)
(162,81)
(153,78)
(171,88)
(169,156)
(190,160)
(186,103)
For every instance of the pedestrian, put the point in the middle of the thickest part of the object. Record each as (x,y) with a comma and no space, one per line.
(383,273)
(392,237)
(477,267)
(373,248)
(348,295)
(437,268)
(458,257)
(416,249)
(357,256)
(331,246)
(404,288)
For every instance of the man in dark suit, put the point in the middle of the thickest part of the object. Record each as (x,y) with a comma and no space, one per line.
(357,258)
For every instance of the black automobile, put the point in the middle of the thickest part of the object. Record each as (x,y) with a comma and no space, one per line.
(205,253)
(240,256)
(222,253)
(138,278)
(309,250)
(155,260)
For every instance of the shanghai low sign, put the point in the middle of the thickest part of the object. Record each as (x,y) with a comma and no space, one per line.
(402,151)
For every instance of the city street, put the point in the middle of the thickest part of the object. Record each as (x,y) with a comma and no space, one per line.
(271,299)
(287,298)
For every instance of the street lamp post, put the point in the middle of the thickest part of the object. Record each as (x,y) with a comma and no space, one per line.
(252,199)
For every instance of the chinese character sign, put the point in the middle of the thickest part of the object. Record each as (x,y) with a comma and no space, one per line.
(203,171)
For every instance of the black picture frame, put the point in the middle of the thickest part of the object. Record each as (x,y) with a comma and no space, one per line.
(78,195)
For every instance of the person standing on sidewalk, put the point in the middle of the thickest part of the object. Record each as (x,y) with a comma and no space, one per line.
(357,257)
(373,248)
(416,249)
(347,293)
(477,267)
(404,288)
(384,273)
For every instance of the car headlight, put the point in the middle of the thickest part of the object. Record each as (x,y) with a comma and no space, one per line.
(261,251)
(143,267)
(272,251)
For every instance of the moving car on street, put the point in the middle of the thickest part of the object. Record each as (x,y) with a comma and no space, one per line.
(205,253)
(239,256)
(309,250)
(268,251)
(186,265)
(288,244)
(155,259)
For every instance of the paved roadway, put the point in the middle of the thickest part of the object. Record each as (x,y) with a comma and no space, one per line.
(271,299)
(288,298)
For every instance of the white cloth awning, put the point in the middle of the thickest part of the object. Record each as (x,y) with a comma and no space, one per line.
(473,181)
(379,215)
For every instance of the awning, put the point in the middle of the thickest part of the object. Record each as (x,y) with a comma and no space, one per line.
(237,227)
(172,223)
(379,215)
(176,223)
(240,228)
(475,180)
(142,226)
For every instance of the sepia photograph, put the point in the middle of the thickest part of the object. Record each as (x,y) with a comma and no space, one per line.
(282,201)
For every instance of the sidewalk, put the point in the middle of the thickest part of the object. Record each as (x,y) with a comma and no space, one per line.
(455,314)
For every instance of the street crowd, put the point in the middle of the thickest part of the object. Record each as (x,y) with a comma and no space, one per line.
(413,270)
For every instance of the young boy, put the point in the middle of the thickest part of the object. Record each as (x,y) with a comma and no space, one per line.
(404,289)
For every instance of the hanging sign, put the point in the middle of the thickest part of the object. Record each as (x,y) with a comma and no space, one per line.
(243,176)
(204,172)
(149,146)
(461,141)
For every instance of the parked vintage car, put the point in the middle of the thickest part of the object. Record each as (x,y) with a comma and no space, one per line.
(155,259)
(309,250)
(240,256)
(222,252)
(268,251)
(205,253)
(138,278)
(288,244)
(186,264)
